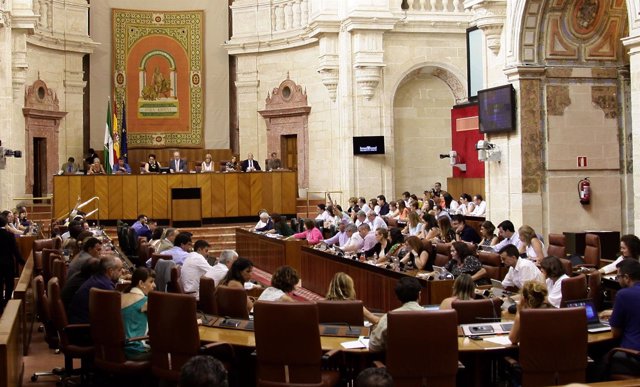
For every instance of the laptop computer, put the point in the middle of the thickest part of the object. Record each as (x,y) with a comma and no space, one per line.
(594,325)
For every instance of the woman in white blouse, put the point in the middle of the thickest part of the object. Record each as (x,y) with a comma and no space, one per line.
(629,248)
(531,245)
(554,274)
(207,164)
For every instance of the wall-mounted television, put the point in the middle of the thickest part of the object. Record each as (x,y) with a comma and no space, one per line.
(368,145)
(497,109)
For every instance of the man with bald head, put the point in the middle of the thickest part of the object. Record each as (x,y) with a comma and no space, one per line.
(107,275)
(177,164)
(250,165)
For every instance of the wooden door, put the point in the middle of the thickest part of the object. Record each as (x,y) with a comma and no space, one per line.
(39,166)
(289,151)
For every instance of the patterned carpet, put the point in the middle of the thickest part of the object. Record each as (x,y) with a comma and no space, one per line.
(300,293)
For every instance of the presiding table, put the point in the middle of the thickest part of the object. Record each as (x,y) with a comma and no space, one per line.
(221,195)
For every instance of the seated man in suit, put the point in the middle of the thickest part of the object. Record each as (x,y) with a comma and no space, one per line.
(70,167)
(274,162)
(408,292)
(250,165)
(177,164)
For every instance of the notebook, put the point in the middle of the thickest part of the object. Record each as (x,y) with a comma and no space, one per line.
(594,325)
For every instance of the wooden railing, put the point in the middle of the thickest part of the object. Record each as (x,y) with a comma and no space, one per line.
(24,292)
(11,338)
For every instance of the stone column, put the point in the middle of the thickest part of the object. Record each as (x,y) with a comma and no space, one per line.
(250,123)
(632,43)
(69,142)
(7,133)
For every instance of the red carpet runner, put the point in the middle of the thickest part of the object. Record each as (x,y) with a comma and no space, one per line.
(300,294)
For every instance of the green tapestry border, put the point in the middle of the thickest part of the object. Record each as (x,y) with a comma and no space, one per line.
(186,27)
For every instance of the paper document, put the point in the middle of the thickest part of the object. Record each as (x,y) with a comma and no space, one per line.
(501,340)
(361,343)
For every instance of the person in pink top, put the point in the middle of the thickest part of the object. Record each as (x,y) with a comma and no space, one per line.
(311,233)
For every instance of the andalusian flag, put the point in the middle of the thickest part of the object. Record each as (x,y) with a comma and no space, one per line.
(123,137)
(116,137)
(108,141)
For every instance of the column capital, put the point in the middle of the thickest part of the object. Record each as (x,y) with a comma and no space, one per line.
(489,16)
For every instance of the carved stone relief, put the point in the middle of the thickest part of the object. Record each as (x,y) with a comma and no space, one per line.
(458,90)
(286,113)
(558,99)
(42,120)
(605,97)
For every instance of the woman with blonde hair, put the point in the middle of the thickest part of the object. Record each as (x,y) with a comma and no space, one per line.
(207,164)
(341,288)
(414,226)
(534,296)
(531,245)
(463,289)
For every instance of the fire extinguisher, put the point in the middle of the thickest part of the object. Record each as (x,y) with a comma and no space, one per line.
(584,191)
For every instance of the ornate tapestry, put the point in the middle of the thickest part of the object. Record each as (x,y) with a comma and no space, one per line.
(157,68)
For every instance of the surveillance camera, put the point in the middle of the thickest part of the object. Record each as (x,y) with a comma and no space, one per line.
(444,156)
(17,154)
(481,145)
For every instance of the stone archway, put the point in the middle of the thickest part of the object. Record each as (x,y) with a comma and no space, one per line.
(42,120)
(422,127)
(286,113)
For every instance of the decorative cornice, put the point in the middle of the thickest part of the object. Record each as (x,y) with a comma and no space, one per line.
(490,17)
(369,22)
(79,44)
(292,40)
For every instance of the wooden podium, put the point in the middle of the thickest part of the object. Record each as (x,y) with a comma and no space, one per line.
(186,207)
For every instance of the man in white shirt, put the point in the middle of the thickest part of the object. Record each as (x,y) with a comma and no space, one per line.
(361,218)
(368,236)
(220,269)
(376,221)
(364,206)
(355,241)
(520,271)
(481,206)
(509,236)
(195,266)
(408,292)
(341,238)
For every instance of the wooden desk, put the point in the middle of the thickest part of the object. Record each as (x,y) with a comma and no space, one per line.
(223,194)
(268,253)
(246,338)
(374,285)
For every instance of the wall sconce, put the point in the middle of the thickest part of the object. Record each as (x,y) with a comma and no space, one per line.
(453,160)
(488,151)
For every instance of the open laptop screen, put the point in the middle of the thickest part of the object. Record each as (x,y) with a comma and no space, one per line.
(590,308)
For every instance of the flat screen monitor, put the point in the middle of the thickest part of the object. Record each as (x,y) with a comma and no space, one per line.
(368,145)
(497,109)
